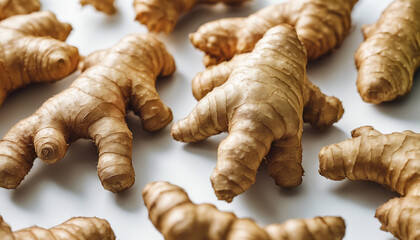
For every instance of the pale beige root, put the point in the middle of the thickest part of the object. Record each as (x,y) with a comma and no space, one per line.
(32,51)
(106,6)
(401,217)
(92,59)
(78,228)
(162,15)
(262,101)
(177,218)
(390,55)
(94,107)
(321,25)
(10,8)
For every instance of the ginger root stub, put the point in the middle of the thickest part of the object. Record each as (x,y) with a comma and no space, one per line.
(10,8)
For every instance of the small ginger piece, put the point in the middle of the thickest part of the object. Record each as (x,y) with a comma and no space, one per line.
(78,228)
(260,102)
(106,6)
(94,107)
(390,55)
(177,218)
(162,15)
(321,25)
(392,160)
(10,8)
(32,51)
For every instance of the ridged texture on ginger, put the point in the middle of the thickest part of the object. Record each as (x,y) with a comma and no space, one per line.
(259,101)
(390,55)
(392,160)
(321,25)
(106,6)
(162,15)
(79,228)
(177,218)
(10,8)
(32,51)
(94,107)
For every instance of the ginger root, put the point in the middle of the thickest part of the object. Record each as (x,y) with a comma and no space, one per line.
(390,55)
(321,25)
(10,8)
(260,102)
(78,228)
(177,218)
(392,160)
(32,51)
(106,6)
(162,15)
(94,107)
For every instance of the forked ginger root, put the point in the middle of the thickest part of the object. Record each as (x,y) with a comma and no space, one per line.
(10,8)
(390,55)
(79,228)
(94,107)
(260,103)
(177,218)
(392,160)
(162,15)
(106,6)
(32,50)
(321,25)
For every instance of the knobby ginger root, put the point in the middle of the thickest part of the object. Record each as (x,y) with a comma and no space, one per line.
(106,6)
(392,160)
(79,228)
(390,55)
(94,107)
(32,50)
(321,25)
(10,8)
(260,102)
(162,15)
(177,218)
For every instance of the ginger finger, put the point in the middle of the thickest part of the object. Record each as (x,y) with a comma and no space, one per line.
(10,8)
(94,107)
(106,6)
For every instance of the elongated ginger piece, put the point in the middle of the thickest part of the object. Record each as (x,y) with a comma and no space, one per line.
(94,107)
(390,55)
(10,8)
(260,103)
(78,228)
(177,218)
(32,51)
(106,6)
(392,160)
(162,15)
(321,25)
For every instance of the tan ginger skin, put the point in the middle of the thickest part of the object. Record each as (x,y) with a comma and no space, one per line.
(10,8)
(177,218)
(261,104)
(390,55)
(78,228)
(32,51)
(94,107)
(220,40)
(392,160)
(162,15)
(106,6)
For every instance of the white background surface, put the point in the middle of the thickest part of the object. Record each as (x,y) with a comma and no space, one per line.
(50,195)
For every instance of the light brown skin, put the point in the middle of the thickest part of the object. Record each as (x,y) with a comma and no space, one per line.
(260,102)
(162,15)
(390,54)
(10,8)
(78,228)
(106,6)
(392,160)
(220,40)
(177,218)
(32,51)
(94,107)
